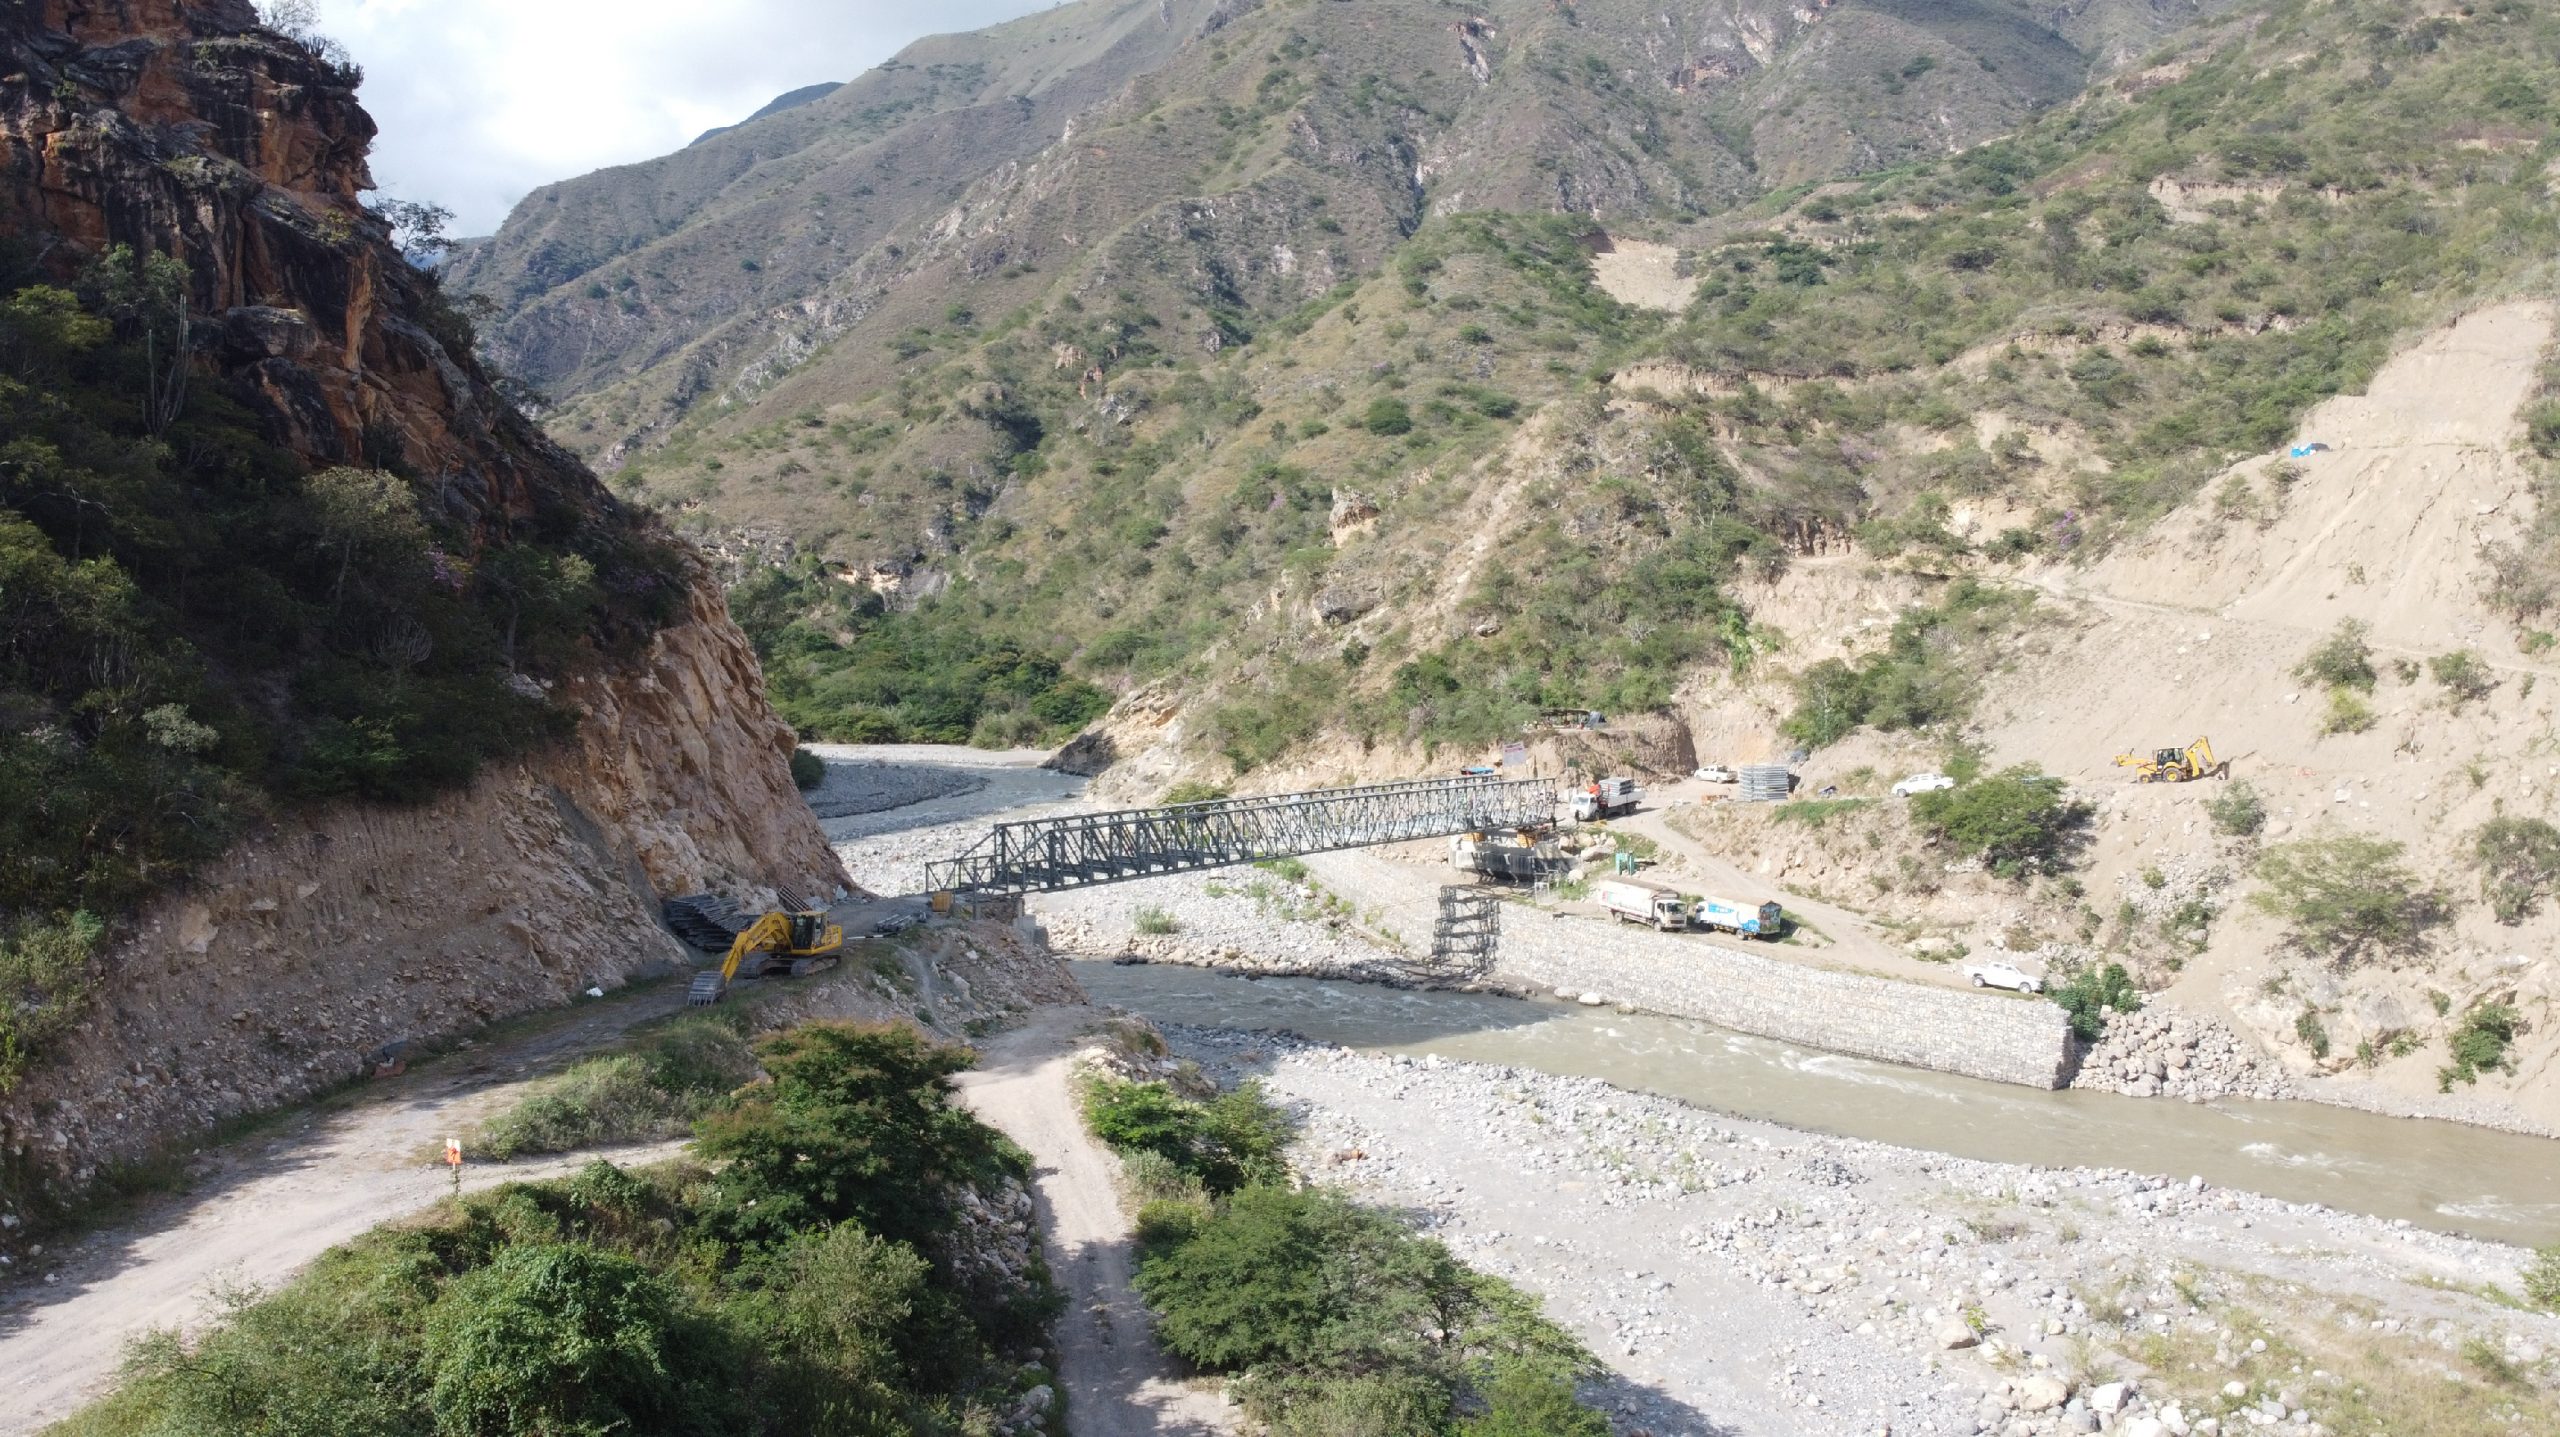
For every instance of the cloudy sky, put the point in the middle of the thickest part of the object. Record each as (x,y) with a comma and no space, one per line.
(481,100)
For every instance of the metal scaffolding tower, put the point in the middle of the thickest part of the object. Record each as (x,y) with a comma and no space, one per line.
(1088,848)
(1468,932)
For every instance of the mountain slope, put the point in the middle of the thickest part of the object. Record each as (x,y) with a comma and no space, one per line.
(1206,138)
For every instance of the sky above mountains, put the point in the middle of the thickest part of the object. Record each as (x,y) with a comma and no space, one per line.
(480,101)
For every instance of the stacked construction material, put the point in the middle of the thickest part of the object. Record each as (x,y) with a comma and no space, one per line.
(1766,783)
(706,920)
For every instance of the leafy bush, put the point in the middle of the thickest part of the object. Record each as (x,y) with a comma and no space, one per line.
(1192,790)
(2542,1278)
(856,1124)
(2344,895)
(2238,810)
(1387,415)
(2463,676)
(807,769)
(2519,862)
(1928,672)
(2479,1044)
(1232,1140)
(2341,661)
(2348,712)
(1149,919)
(1336,1315)
(45,979)
(2092,993)
(559,1337)
(2016,820)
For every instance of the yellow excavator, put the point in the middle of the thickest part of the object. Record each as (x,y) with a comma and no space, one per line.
(2176,765)
(807,941)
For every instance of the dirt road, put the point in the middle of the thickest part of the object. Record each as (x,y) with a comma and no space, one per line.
(1118,1384)
(261,1209)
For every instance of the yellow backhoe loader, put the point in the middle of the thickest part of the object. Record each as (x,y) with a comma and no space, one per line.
(805,941)
(2176,765)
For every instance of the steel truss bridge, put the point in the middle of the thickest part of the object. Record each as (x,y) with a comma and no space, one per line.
(1089,848)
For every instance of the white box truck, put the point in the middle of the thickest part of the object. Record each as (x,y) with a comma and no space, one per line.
(1763,920)
(1632,899)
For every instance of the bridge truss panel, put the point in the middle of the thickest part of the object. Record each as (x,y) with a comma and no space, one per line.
(1081,849)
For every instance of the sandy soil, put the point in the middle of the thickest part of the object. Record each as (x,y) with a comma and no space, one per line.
(1643,274)
(1118,1383)
(258,1210)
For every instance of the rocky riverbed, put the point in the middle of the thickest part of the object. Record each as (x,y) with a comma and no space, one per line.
(1742,1277)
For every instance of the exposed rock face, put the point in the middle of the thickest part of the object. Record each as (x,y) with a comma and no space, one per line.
(183,128)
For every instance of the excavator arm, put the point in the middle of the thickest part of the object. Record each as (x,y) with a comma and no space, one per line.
(772,931)
(798,935)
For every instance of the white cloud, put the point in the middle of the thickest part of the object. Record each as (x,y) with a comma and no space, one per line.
(482,100)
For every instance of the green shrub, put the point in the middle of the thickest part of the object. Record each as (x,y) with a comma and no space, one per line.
(2313,1033)
(1527,1400)
(2519,861)
(807,769)
(2344,895)
(2542,1278)
(1387,415)
(1149,919)
(45,977)
(670,1073)
(2238,810)
(1234,1139)
(2017,820)
(1928,672)
(2341,661)
(2348,712)
(2480,1044)
(2463,676)
(1192,790)
(1336,1314)
(564,1338)
(858,1125)
(2092,993)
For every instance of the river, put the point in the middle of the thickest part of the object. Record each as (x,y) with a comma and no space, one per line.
(2440,1175)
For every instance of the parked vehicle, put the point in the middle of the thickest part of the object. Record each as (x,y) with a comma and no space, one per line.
(1747,920)
(1606,799)
(1633,899)
(1716,773)
(1922,783)
(2001,974)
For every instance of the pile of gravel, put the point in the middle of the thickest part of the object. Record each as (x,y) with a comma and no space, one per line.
(2163,1052)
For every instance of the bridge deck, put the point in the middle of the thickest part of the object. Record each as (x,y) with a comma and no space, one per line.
(1089,848)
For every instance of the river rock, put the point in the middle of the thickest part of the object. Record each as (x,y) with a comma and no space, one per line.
(2042,1393)
(1954,1334)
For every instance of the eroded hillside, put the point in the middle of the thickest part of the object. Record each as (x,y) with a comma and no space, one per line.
(344,711)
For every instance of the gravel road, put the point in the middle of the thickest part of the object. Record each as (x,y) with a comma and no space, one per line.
(257,1211)
(1118,1384)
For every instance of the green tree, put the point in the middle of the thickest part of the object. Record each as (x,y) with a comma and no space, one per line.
(1529,1400)
(2341,661)
(2519,861)
(2016,820)
(2092,993)
(2344,894)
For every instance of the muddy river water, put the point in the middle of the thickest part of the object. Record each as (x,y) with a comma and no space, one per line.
(2436,1174)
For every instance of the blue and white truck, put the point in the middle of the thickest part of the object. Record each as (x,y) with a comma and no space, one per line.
(1765,920)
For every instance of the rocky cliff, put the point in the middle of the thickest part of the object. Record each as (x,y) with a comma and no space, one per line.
(181,127)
